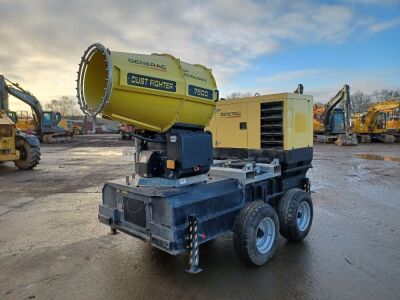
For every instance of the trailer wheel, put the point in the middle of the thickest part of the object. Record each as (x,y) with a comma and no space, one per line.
(295,213)
(255,233)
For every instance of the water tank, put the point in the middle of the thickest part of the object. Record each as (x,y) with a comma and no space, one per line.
(151,92)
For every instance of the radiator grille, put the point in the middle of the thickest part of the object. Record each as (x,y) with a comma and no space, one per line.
(271,125)
(135,211)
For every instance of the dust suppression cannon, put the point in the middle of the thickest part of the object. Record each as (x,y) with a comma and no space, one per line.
(167,100)
(179,197)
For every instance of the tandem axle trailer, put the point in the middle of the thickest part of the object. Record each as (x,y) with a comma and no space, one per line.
(178,199)
(181,217)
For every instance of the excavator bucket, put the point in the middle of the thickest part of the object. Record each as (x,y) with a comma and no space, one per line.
(347,140)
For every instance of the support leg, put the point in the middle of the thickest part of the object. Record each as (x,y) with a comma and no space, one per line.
(193,245)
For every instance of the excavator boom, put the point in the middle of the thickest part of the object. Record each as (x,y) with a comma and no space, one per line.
(25,96)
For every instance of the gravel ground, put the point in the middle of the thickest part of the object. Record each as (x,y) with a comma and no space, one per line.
(52,246)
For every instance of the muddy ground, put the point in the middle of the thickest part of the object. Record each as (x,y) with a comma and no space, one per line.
(52,246)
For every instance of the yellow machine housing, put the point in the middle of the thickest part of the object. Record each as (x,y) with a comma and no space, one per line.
(25,122)
(318,122)
(267,122)
(70,126)
(8,150)
(393,121)
(151,92)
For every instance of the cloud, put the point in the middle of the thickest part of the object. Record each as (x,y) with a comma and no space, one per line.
(374,2)
(377,27)
(324,83)
(294,75)
(42,40)
(47,38)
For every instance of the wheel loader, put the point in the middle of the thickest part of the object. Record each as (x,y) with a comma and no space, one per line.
(17,147)
(179,197)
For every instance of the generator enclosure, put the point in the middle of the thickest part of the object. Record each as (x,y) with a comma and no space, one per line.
(278,122)
(264,127)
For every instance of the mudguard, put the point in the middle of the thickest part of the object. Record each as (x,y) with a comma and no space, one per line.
(32,140)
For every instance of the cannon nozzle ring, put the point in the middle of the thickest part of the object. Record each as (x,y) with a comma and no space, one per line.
(95,70)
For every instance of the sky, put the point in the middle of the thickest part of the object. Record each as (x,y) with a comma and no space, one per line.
(251,46)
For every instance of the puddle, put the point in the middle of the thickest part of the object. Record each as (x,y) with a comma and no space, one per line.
(377,157)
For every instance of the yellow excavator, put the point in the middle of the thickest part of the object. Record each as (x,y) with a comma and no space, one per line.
(15,146)
(372,125)
(333,124)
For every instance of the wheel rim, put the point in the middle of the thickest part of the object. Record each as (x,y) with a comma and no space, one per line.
(303,215)
(265,235)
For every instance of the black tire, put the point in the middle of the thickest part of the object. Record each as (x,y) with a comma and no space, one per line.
(289,212)
(246,232)
(29,155)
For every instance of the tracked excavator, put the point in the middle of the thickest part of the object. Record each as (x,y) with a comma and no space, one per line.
(20,148)
(46,123)
(178,197)
(372,125)
(333,124)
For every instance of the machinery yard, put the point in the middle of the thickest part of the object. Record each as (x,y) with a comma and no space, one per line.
(52,245)
(200,150)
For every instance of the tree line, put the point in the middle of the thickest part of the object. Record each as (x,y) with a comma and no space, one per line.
(66,105)
(360,101)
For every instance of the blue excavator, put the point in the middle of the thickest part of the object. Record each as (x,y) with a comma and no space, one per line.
(47,126)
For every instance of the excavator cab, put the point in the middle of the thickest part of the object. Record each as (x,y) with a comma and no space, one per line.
(337,122)
(13,116)
(381,121)
(51,119)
